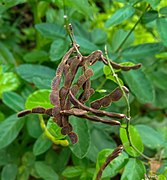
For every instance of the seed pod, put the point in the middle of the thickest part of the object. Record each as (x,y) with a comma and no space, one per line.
(74,111)
(125,89)
(73,137)
(56,83)
(39,110)
(49,111)
(66,129)
(68,79)
(116,94)
(54,98)
(95,104)
(88,73)
(23,113)
(81,80)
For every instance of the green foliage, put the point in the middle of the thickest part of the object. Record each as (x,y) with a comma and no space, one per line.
(33,41)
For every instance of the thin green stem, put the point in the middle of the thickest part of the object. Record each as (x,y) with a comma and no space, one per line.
(130,32)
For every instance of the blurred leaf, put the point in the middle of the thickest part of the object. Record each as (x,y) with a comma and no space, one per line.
(13,100)
(33,126)
(71,172)
(30,71)
(36,56)
(135,138)
(80,127)
(162,26)
(39,98)
(163,10)
(98,36)
(28,159)
(119,16)
(97,70)
(118,38)
(161,100)
(23,172)
(114,166)
(149,16)
(6,57)
(161,177)
(142,50)
(134,169)
(45,171)
(8,82)
(9,172)
(81,6)
(58,48)
(153,139)
(42,83)
(137,82)
(42,144)
(51,30)
(9,130)
(153,3)
(86,47)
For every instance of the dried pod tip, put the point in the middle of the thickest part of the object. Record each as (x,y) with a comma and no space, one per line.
(73,137)
(23,113)
(66,129)
(125,89)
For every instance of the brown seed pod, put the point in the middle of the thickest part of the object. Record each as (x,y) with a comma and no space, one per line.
(73,137)
(23,113)
(66,129)
(39,110)
(88,73)
(81,80)
(116,94)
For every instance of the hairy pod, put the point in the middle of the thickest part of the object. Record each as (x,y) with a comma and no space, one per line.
(54,98)
(88,73)
(73,137)
(116,94)
(39,110)
(23,113)
(81,80)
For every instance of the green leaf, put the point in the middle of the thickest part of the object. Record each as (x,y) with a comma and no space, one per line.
(9,172)
(149,16)
(97,70)
(134,169)
(9,129)
(135,138)
(42,144)
(137,82)
(28,159)
(119,16)
(13,100)
(161,100)
(39,98)
(81,6)
(98,36)
(80,126)
(161,177)
(153,3)
(8,82)
(142,50)
(31,71)
(71,172)
(6,57)
(118,38)
(42,83)
(33,126)
(58,48)
(162,26)
(49,30)
(163,10)
(36,56)
(153,139)
(23,172)
(86,47)
(45,171)
(114,166)
(54,129)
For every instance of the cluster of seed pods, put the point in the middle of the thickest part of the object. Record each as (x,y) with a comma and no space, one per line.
(67,101)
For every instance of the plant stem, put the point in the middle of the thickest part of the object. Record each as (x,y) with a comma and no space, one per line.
(130,32)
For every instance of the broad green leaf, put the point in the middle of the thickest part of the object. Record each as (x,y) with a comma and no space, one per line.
(81,6)
(33,126)
(86,47)
(23,172)
(149,16)
(150,137)
(54,129)
(142,50)
(13,100)
(153,3)
(49,30)
(9,172)
(118,38)
(9,129)
(39,98)
(162,26)
(42,83)
(42,144)
(161,100)
(6,55)
(98,36)
(80,126)
(161,177)
(137,82)
(45,171)
(30,71)
(58,48)
(71,172)
(119,16)
(163,10)
(28,159)
(135,138)
(97,70)
(134,169)
(8,82)
(36,56)
(114,166)
(99,141)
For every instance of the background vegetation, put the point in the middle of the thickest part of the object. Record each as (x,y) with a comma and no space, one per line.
(32,43)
